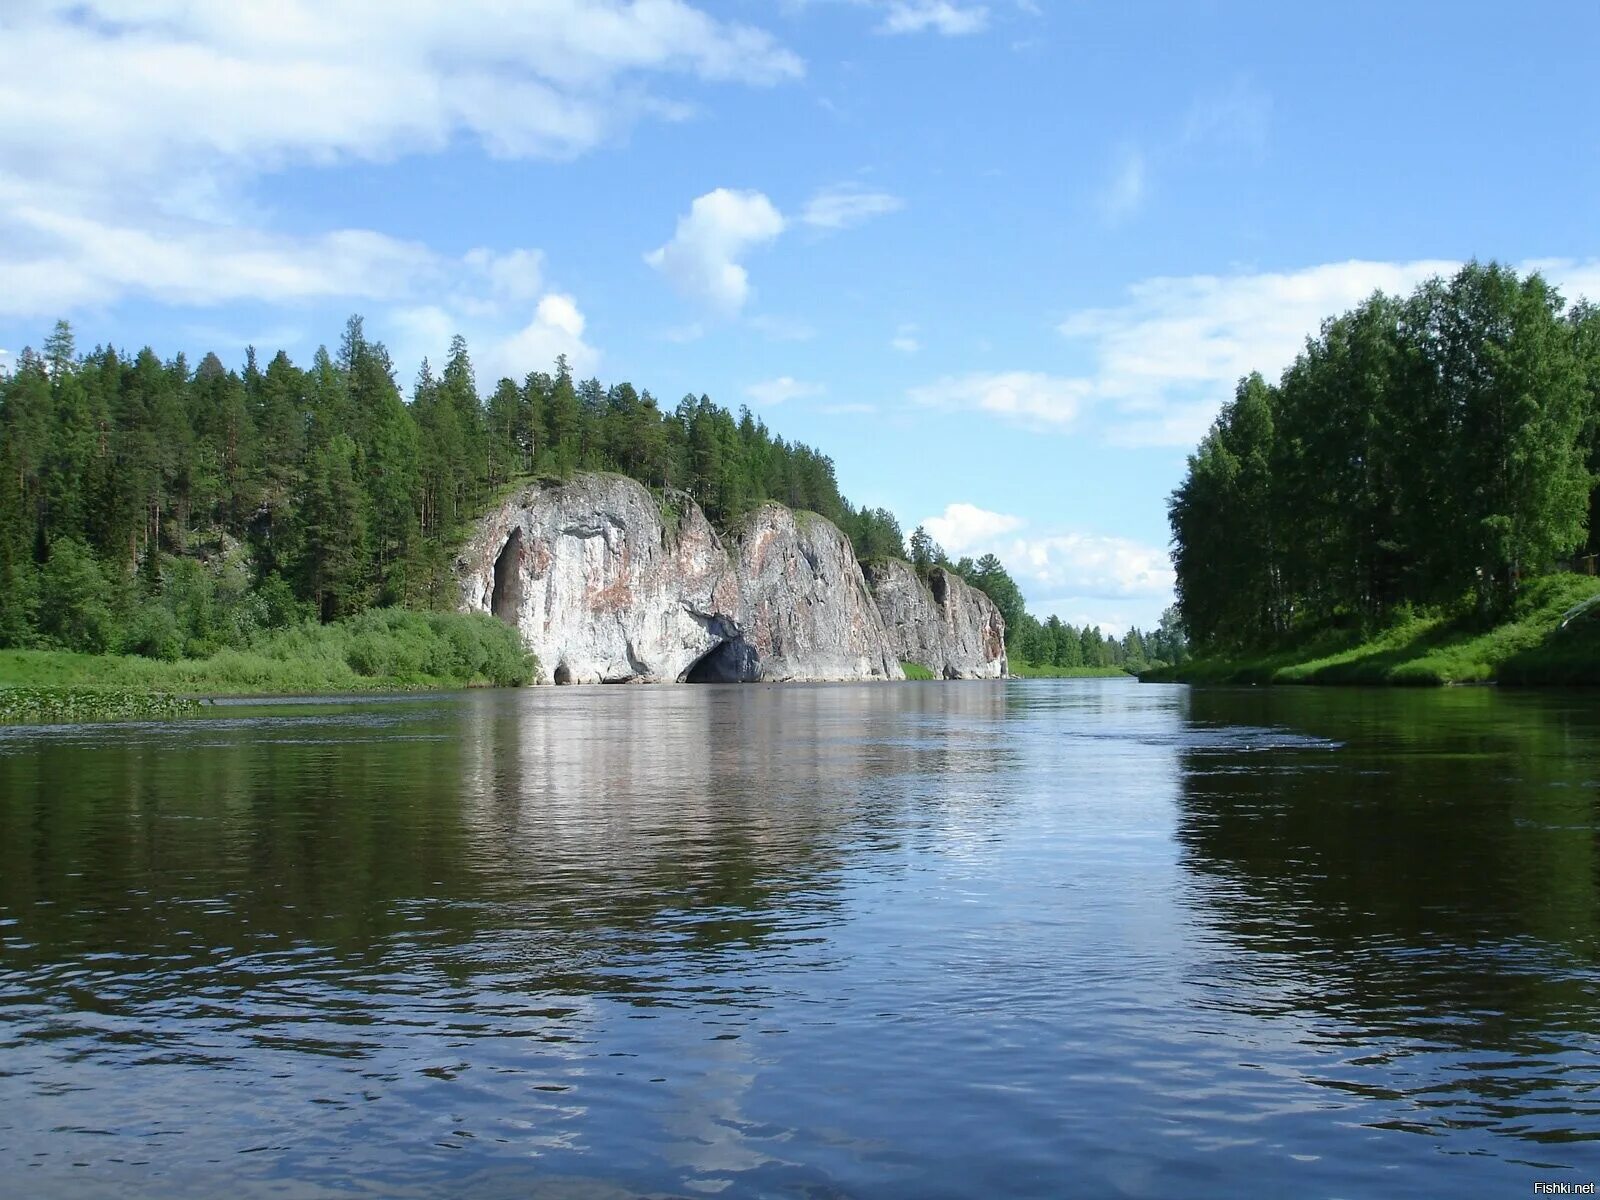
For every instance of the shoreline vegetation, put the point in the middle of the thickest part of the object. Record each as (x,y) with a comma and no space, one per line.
(1414,501)
(1551,637)
(380,650)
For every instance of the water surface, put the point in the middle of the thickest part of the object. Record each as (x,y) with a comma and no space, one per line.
(907,940)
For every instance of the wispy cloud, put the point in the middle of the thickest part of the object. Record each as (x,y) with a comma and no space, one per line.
(1030,397)
(905,339)
(1124,189)
(844,205)
(785,387)
(936,16)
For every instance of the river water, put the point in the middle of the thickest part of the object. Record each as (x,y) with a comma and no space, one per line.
(1032,938)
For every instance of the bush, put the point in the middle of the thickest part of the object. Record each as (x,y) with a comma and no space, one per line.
(153,632)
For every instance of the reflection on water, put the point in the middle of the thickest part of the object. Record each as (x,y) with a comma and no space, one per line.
(1027,938)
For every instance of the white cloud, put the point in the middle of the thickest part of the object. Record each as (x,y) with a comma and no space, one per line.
(498,347)
(1112,582)
(938,16)
(701,260)
(1168,357)
(1173,351)
(905,339)
(785,387)
(845,205)
(1028,396)
(92,83)
(966,527)
(1124,191)
(1081,564)
(130,134)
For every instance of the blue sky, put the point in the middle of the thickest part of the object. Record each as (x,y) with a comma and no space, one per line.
(1001,260)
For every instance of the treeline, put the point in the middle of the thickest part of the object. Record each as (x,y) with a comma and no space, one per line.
(1431,451)
(148,504)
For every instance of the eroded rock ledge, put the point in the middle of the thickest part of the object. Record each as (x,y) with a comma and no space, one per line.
(609,585)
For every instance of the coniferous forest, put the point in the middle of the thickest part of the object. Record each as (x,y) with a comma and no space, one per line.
(170,510)
(1433,453)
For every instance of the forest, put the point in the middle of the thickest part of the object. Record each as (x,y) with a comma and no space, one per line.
(1429,453)
(153,508)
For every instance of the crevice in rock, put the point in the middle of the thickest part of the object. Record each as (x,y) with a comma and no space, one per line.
(563,674)
(506,600)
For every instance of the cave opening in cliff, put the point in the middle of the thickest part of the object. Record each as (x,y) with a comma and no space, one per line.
(563,674)
(506,602)
(726,662)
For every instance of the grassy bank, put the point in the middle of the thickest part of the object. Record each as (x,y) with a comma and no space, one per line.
(380,650)
(1548,638)
(1027,670)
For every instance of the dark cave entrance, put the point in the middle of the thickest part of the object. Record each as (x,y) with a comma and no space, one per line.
(506,602)
(726,662)
(563,674)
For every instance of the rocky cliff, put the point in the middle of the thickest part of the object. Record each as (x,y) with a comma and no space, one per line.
(807,613)
(608,586)
(604,586)
(945,624)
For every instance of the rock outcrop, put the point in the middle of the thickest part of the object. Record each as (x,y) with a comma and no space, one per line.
(807,613)
(608,585)
(604,586)
(945,624)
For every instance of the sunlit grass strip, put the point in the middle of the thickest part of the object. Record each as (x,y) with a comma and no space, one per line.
(1551,636)
(916,671)
(71,705)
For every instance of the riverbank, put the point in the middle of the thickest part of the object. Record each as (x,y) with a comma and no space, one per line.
(1549,639)
(1026,670)
(379,651)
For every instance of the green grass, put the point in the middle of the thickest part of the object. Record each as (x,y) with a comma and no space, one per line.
(379,650)
(1529,647)
(916,671)
(1027,670)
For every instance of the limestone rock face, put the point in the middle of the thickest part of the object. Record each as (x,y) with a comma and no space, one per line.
(946,624)
(806,612)
(603,587)
(606,588)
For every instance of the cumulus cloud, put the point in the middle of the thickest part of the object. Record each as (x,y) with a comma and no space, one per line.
(785,387)
(847,204)
(720,227)
(1091,565)
(936,16)
(1084,578)
(1027,396)
(499,347)
(130,135)
(966,527)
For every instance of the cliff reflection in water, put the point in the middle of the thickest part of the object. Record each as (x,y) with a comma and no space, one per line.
(1424,907)
(564,834)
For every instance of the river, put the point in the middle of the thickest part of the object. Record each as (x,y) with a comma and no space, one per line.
(1031,938)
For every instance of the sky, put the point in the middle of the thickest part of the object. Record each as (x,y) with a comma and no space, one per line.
(1002,261)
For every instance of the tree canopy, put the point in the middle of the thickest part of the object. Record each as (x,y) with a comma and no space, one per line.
(1434,450)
